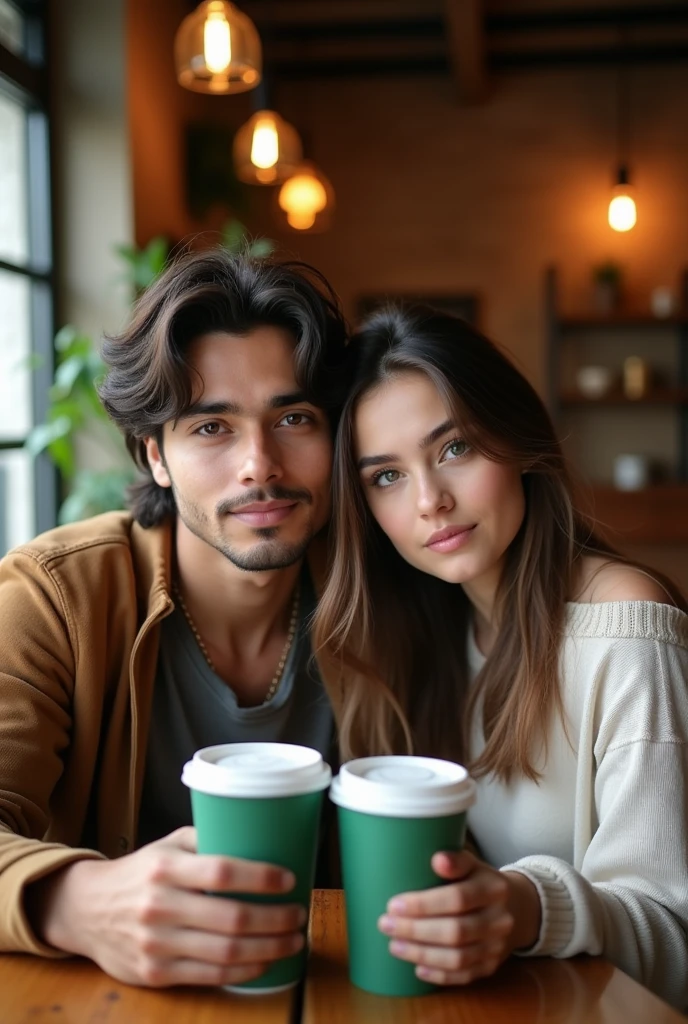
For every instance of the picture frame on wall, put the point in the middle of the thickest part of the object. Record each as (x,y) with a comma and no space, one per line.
(462,304)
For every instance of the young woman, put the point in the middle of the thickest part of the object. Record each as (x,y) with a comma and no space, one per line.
(489,625)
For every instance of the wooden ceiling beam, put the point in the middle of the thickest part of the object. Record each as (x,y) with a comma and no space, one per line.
(267,13)
(465,38)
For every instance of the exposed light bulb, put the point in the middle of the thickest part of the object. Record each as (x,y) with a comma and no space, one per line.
(217,42)
(265,144)
(302,198)
(622,213)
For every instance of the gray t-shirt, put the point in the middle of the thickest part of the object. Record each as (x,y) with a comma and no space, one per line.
(193,708)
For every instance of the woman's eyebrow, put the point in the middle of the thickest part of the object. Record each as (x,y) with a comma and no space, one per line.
(376,460)
(425,442)
(436,434)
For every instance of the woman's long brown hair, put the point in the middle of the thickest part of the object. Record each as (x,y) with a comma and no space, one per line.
(401,633)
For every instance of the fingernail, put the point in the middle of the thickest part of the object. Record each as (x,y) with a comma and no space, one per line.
(287,880)
(396,906)
(387,925)
(397,947)
(423,972)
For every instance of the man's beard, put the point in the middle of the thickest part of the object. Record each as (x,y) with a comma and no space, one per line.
(269,553)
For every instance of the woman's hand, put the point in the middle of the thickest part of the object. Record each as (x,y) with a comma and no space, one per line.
(456,933)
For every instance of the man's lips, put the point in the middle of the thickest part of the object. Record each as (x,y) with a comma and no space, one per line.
(265,513)
(450,538)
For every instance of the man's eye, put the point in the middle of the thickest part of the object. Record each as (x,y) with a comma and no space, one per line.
(209,429)
(295,419)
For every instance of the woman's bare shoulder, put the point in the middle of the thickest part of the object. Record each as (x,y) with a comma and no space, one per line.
(601,579)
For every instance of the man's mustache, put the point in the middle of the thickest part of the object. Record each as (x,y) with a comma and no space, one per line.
(276,493)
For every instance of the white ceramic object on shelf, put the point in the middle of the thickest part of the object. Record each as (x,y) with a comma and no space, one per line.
(631,472)
(594,381)
(662,302)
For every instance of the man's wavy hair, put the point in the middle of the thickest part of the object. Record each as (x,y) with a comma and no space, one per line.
(150,381)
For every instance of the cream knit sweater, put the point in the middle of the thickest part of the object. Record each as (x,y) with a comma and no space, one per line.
(604,835)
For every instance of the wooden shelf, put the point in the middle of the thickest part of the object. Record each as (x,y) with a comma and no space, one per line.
(656,396)
(633,320)
(653,515)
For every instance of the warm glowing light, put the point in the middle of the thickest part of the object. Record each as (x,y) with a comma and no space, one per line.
(217,42)
(217,50)
(302,197)
(622,212)
(265,144)
(266,149)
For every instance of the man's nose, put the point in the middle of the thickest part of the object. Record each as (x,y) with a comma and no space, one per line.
(259,461)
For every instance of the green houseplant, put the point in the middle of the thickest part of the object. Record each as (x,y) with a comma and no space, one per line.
(74,409)
(607,278)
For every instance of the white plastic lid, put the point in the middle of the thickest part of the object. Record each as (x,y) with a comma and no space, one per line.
(403,787)
(257,770)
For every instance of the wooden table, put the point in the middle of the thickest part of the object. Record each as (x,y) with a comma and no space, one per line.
(34,991)
(583,990)
(580,991)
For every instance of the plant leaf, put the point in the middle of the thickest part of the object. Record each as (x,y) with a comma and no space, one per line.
(61,451)
(45,433)
(94,492)
(260,248)
(66,375)
(233,236)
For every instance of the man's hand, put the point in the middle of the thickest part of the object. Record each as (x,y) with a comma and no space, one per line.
(456,933)
(146,918)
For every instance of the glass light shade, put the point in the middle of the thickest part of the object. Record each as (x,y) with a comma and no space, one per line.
(306,199)
(217,50)
(267,149)
(622,213)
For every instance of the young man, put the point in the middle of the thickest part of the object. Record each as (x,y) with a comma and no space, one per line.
(129,641)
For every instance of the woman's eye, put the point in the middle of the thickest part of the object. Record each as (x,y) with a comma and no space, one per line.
(455,450)
(386,477)
(295,419)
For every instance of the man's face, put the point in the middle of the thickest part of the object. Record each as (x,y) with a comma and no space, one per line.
(250,463)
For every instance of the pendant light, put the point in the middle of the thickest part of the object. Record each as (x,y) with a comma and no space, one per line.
(217,50)
(306,199)
(622,212)
(267,149)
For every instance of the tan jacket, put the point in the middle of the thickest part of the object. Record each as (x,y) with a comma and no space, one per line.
(80,613)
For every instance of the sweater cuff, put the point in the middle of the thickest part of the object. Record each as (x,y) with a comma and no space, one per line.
(557,924)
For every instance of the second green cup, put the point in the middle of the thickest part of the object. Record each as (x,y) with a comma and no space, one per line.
(394,814)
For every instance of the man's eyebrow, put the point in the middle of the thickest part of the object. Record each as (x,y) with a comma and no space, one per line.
(425,442)
(279,401)
(211,409)
(436,434)
(234,409)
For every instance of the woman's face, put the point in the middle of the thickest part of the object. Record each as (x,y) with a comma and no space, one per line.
(448,510)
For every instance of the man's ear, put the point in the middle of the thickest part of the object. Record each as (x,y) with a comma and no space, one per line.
(156,461)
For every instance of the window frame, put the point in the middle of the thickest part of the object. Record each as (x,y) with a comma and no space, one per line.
(24,80)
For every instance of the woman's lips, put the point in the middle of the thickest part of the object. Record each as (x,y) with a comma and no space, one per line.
(450,539)
(269,514)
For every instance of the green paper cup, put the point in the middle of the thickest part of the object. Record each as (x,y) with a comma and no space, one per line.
(394,814)
(261,801)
